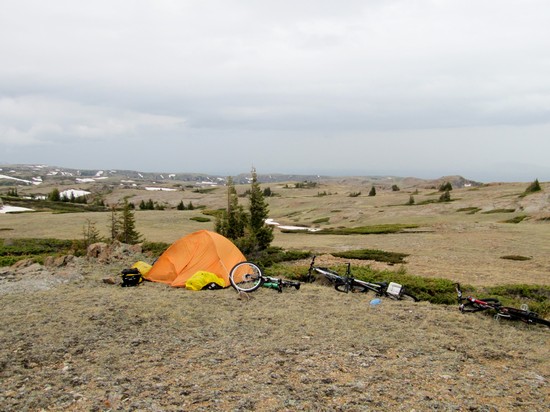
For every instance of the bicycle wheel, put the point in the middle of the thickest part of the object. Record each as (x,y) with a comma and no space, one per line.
(408,297)
(541,321)
(245,277)
(525,316)
(353,288)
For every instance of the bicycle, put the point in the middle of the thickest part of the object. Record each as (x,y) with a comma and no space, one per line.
(247,277)
(472,304)
(348,283)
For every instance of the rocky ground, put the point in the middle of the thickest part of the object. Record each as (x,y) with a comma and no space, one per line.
(71,342)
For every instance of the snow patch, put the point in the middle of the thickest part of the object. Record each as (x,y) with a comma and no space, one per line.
(271,222)
(164,189)
(29,182)
(11,209)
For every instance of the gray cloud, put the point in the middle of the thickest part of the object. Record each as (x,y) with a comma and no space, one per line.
(307,80)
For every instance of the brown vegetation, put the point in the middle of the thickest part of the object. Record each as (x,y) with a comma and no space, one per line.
(71,342)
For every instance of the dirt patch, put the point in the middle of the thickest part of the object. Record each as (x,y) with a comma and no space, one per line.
(79,344)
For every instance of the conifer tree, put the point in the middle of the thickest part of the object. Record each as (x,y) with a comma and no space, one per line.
(128,233)
(91,233)
(114,224)
(54,195)
(261,233)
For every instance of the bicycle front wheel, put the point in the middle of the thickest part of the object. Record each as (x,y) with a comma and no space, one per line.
(541,321)
(245,277)
(525,316)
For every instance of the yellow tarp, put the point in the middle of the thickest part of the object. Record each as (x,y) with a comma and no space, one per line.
(202,278)
(143,267)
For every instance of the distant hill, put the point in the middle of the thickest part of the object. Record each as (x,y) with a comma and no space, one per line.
(28,174)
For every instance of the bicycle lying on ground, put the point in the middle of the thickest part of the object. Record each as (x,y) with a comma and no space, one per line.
(247,277)
(472,304)
(348,283)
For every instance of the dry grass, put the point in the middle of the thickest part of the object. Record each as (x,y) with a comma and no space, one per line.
(450,243)
(88,346)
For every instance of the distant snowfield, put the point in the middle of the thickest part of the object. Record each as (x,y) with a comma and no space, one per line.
(11,209)
(36,182)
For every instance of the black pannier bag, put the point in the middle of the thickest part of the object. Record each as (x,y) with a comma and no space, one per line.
(131,277)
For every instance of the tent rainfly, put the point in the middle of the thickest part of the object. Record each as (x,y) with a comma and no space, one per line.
(198,251)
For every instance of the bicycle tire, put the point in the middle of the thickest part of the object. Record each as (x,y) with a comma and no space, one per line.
(406,296)
(541,321)
(245,277)
(525,316)
(353,288)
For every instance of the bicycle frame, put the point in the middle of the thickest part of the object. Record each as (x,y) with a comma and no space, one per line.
(501,312)
(476,304)
(348,283)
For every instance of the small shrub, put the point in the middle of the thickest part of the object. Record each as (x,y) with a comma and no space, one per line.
(446,187)
(155,248)
(200,219)
(445,197)
(321,220)
(488,212)
(366,230)
(517,219)
(373,254)
(532,188)
(469,210)
(515,257)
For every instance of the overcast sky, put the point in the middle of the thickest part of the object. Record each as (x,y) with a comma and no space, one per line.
(368,87)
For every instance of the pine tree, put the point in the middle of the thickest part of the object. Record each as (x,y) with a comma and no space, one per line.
(128,233)
(261,233)
(372,191)
(445,187)
(91,233)
(445,197)
(115,224)
(533,187)
(54,195)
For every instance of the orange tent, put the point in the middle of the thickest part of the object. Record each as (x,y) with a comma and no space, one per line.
(199,251)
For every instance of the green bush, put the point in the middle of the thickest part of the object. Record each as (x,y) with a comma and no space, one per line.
(532,188)
(155,248)
(373,254)
(200,219)
(469,210)
(366,230)
(515,257)
(321,220)
(274,255)
(489,212)
(15,250)
(515,220)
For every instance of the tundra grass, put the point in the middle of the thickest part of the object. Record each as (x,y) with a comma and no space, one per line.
(366,230)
